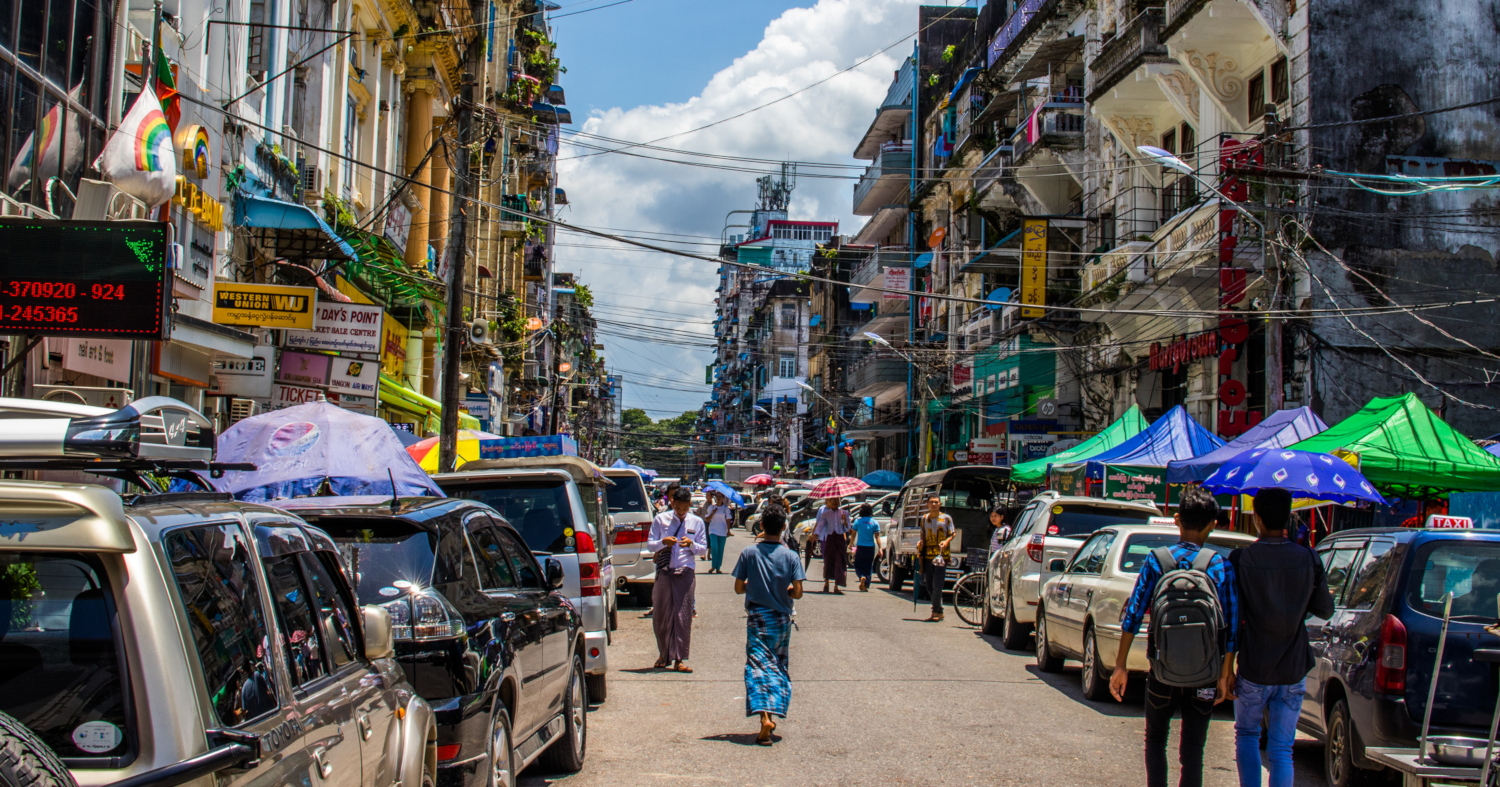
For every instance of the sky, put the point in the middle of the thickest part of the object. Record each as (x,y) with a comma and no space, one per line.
(647,69)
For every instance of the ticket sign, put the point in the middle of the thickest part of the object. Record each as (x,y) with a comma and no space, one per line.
(84,278)
(265,305)
(1450,522)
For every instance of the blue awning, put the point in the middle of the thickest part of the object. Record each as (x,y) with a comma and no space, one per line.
(859,307)
(968,75)
(288,231)
(547,113)
(922,260)
(816,318)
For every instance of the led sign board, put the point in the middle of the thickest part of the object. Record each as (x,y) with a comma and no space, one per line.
(84,278)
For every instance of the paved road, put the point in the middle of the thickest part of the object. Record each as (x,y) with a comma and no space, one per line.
(878,697)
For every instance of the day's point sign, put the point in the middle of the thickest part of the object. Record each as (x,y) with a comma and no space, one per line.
(342,327)
(1145,484)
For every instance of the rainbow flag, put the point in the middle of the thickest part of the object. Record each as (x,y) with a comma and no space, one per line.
(139,158)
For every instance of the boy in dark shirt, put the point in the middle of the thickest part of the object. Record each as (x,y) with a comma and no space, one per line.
(769,576)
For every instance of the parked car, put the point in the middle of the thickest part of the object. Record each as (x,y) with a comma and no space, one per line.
(1078,616)
(630,508)
(1051,527)
(165,637)
(1375,655)
(557,504)
(967,493)
(495,649)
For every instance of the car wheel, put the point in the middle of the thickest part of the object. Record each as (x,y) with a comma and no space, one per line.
(898,575)
(1095,684)
(567,752)
(879,569)
(25,761)
(1013,636)
(598,687)
(1338,753)
(502,750)
(1046,660)
(614,618)
(993,623)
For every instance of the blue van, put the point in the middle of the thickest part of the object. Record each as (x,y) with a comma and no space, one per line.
(1375,654)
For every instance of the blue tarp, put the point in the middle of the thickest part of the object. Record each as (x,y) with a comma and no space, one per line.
(284,229)
(620,464)
(513,447)
(885,479)
(1282,429)
(1174,436)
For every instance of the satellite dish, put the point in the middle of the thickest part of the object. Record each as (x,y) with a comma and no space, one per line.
(999,296)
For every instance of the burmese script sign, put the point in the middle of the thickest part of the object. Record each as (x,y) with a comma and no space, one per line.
(1136,484)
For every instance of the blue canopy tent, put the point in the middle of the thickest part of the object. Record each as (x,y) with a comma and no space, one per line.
(1173,436)
(1282,429)
(647,475)
(884,479)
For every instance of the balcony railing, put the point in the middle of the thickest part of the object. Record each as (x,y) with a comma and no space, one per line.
(993,167)
(878,416)
(1138,43)
(1111,263)
(1178,14)
(1012,29)
(1059,129)
(877,262)
(892,168)
(875,372)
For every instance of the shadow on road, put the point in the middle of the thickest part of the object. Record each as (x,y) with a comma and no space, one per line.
(740,738)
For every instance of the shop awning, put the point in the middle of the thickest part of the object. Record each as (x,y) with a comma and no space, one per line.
(284,230)
(1174,436)
(1129,425)
(1405,447)
(212,336)
(394,394)
(1280,430)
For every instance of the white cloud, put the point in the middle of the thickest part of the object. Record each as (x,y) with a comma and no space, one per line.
(801,47)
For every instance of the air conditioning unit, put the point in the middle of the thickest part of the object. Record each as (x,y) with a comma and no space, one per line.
(14,207)
(111,398)
(240,409)
(312,185)
(530,370)
(100,201)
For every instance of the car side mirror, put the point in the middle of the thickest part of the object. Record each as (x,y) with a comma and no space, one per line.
(554,573)
(380,636)
(1004,535)
(1057,564)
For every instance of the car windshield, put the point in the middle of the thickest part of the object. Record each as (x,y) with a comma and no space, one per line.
(1083,519)
(1470,570)
(538,509)
(59,668)
(1139,546)
(627,496)
(383,556)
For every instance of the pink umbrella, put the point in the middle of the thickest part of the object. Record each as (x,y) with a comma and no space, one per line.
(841,486)
(760,479)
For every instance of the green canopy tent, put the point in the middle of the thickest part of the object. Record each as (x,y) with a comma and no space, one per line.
(1405,447)
(1129,425)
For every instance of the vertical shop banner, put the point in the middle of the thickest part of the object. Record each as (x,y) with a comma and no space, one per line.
(342,327)
(1033,268)
(354,377)
(107,358)
(303,368)
(898,279)
(393,349)
(1136,484)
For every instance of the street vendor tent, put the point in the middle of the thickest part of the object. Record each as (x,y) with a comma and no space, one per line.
(1175,435)
(1129,425)
(1404,447)
(1280,430)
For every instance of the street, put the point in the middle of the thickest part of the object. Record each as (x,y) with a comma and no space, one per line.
(878,697)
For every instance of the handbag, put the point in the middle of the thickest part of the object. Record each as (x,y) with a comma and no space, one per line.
(663,556)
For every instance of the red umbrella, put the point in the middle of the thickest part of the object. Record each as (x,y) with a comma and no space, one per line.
(760,479)
(842,486)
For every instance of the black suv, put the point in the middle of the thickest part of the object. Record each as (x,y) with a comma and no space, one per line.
(480,631)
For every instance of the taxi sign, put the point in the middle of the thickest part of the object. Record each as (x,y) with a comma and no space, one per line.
(1442,522)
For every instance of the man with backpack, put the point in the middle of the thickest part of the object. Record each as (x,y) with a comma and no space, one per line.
(1190,594)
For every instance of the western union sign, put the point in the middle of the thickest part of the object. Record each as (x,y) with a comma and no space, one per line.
(265,305)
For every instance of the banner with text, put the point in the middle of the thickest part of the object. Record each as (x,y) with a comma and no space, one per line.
(1033,267)
(1136,484)
(344,327)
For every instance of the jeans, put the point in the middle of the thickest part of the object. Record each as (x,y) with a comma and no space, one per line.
(716,550)
(933,578)
(1252,702)
(1196,707)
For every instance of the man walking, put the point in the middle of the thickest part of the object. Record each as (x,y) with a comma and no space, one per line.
(937,534)
(1280,583)
(769,576)
(1196,517)
(676,540)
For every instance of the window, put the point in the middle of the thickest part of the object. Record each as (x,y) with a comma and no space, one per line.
(789,315)
(1189,142)
(1090,558)
(788,365)
(294,617)
(1281,83)
(59,667)
(1371,577)
(382,556)
(1257,93)
(1469,570)
(1139,546)
(494,567)
(1339,564)
(221,601)
(540,511)
(1107,229)
(1169,140)
(527,571)
(335,617)
(351,142)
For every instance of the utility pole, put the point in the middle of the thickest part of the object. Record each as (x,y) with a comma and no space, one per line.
(457,251)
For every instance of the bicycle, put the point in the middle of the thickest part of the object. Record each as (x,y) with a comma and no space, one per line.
(969,590)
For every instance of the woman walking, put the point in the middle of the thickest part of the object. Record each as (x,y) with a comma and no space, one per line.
(769,576)
(716,512)
(865,531)
(831,531)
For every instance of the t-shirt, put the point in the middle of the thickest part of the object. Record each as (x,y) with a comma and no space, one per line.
(718,520)
(865,529)
(768,570)
(935,530)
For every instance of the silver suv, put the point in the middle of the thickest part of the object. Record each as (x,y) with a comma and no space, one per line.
(1046,534)
(631,511)
(169,637)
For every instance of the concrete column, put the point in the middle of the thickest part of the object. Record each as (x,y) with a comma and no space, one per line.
(438,228)
(418,137)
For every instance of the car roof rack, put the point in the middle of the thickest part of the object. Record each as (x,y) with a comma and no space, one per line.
(153,428)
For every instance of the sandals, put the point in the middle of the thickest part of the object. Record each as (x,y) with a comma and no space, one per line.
(764,739)
(682,668)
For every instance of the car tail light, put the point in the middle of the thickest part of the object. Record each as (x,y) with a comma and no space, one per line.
(591,577)
(1390,653)
(630,535)
(435,617)
(583,541)
(448,752)
(1034,548)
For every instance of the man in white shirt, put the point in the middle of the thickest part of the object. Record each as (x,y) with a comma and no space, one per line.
(677,539)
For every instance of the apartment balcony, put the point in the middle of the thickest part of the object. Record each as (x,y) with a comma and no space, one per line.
(1137,44)
(1033,25)
(993,167)
(1129,258)
(875,422)
(870,271)
(892,114)
(876,375)
(885,182)
(1057,128)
